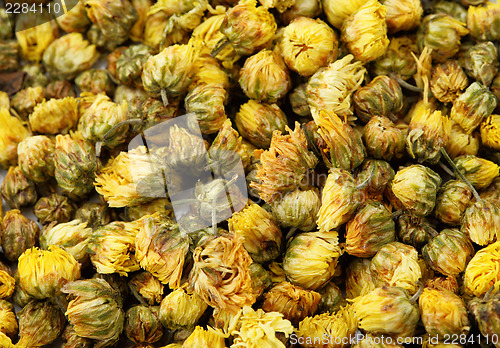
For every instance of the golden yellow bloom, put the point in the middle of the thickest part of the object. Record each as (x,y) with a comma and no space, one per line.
(56,116)
(220,274)
(331,87)
(111,248)
(146,288)
(443,313)
(402,15)
(154,27)
(7,285)
(311,258)
(482,21)
(180,309)
(35,40)
(448,81)
(208,70)
(256,329)
(443,283)
(261,234)
(42,273)
(490,132)
(461,143)
(365,31)
(340,324)
(8,320)
(307,45)
(483,271)
(338,11)
(12,133)
(359,280)
(479,171)
(205,338)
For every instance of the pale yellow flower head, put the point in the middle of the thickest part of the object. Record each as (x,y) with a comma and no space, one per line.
(338,11)
(490,132)
(55,116)
(180,309)
(8,320)
(35,40)
(403,15)
(461,143)
(12,133)
(7,285)
(359,280)
(205,338)
(479,171)
(483,271)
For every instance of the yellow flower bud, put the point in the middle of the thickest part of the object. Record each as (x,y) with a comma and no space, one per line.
(12,133)
(146,288)
(482,21)
(383,139)
(301,8)
(280,5)
(479,171)
(359,280)
(483,271)
(490,132)
(402,15)
(35,40)
(204,338)
(461,143)
(337,11)
(74,20)
(481,222)
(180,309)
(207,102)
(452,200)
(142,7)
(56,116)
(398,58)
(448,81)
(7,285)
(208,70)
(8,320)
(298,209)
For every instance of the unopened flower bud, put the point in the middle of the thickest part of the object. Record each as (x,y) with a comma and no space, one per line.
(142,324)
(398,58)
(208,102)
(12,133)
(298,100)
(130,64)
(490,132)
(17,190)
(373,179)
(40,323)
(337,12)
(452,200)
(146,288)
(481,222)
(298,209)
(383,139)
(7,286)
(35,158)
(26,99)
(478,171)
(8,319)
(18,234)
(180,309)
(482,272)
(95,81)
(461,143)
(72,340)
(485,313)
(414,230)
(402,15)
(481,62)
(448,81)
(482,21)
(54,208)
(34,33)
(55,116)
(74,20)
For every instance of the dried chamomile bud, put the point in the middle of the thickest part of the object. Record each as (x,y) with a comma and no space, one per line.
(261,233)
(17,190)
(448,81)
(95,310)
(18,234)
(54,208)
(12,133)
(111,248)
(483,21)
(416,187)
(338,11)
(142,324)
(75,165)
(359,279)
(310,259)
(415,230)
(298,209)
(340,199)
(452,200)
(485,313)
(74,20)
(204,338)
(142,7)
(161,249)
(365,31)
(72,340)
(292,301)
(386,311)
(55,116)
(371,228)
(490,132)
(402,15)
(161,205)
(381,97)
(7,286)
(95,81)
(481,62)
(207,102)
(35,158)
(331,87)
(398,58)
(461,143)
(9,55)
(8,320)
(129,65)
(40,323)
(26,99)
(146,288)
(441,33)
(59,89)
(257,122)
(181,310)
(114,19)
(478,171)
(34,33)
(72,236)
(481,222)
(449,252)
(383,139)
(307,45)
(472,106)
(396,264)
(482,272)
(69,55)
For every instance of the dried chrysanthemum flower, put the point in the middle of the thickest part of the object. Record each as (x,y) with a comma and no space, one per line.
(34,33)
(95,310)
(365,31)
(443,283)
(247,28)
(204,338)
(373,179)
(359,279)
(416,187)
(478,171)
(72,340)
(181,310)
(449,252)
(284,166)
(485,313)
(12,133)
(8,320)
(128,67)
(340,199)
(381,97)
(481,62)
(54,208)
(74,20)
(297,209)
(75,165)
(40,323)
(331,87)
(332,298)
(482,272)
(481,222)
(448,81)
(142,324)
(17,190)
(441,33)
(261,279)
(452,200)
(307,45)
(7,286)
(258,121)
(220,274)
(42,273)
(482,21)
(443,313)
(461,143)
(111,248)
(55,116)
(490,132)
(26,99)
(280,5)
(292,301)
(371,228)
(472,106)
(95,81)
(161,249)
(146,288)
(383,140)
(396,264)
(207,102)
(261,233)
(69,55)
(402,15)
(337,12)
(415,230)
(310,259)
(492,192)
(208,70)
(72,236)
(18,234)
(398,58)
(35,158)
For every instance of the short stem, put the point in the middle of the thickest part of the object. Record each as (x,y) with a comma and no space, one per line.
(164,97)
(446,169)
(397,214)
(406,85)
(219,47)
(460,175)
(415,297)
